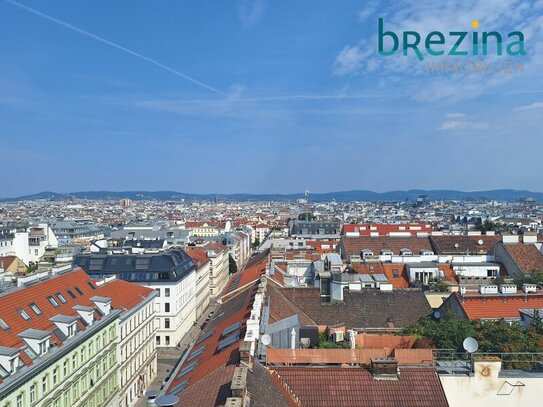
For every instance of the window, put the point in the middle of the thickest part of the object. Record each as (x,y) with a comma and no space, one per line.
(77,290)
(91,285)
(157,292)
(55,376)
(166,292)
(167,340)
(158,340)
(167,307)
(35,308)
(71,330)
(23,314)
(19,400)
(65,368)
(74,362)
(44,384)
(71,294)
(167,323)
(33,393)
(61,298)
(53,302)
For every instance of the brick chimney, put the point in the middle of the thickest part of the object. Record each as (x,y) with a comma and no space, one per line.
(385,369)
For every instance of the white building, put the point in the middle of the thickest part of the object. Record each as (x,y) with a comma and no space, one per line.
(171,273)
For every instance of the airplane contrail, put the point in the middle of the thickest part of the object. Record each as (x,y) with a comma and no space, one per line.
(114,45)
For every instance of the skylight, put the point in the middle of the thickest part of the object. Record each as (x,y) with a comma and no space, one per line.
(53,302)
(23,313)
(78,290)
(188,369)
(34,307)
(3,325)
(229,329)
(61,298)
(179,388)
(196,353)
(226,342)
(205,336)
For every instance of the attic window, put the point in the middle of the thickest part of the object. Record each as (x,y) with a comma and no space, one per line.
(23,313)
(78,290)
(3,325)
(91,285)
(35,308)
(71,294)
(395,273)
(61,298)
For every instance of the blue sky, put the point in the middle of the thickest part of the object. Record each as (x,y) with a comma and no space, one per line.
(260,96)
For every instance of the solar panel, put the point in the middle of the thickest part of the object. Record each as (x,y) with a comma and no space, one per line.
(205,336)
(196,353)
(189,368)
(229,329)
(179,388)
(228,341)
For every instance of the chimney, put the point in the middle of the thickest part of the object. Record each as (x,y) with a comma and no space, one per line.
(239,383)
(385,369)
(245,352)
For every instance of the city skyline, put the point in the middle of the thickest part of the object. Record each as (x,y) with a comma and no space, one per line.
(259,97)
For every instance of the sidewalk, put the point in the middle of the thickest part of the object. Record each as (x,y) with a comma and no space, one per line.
(168,357)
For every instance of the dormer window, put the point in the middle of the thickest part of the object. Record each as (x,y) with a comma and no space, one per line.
(406,252)
(43,347)
(3,325)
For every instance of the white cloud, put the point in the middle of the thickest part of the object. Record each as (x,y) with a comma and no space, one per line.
(349,60)
(462,125)
(250,12)
(533,106)
(454,115)
(368,10)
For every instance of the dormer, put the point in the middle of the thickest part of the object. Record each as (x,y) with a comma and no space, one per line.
(366,253)
(85,312)
(406,252)
(37,340)
(386,252)
(9,361)
(426,252)
(66,324)
(102,303)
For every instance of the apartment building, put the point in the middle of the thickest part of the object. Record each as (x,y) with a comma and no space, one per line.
(60,340)
(218,267)
(202,264)
(170,273)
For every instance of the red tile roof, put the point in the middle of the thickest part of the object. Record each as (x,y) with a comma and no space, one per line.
(383,229)
(527,256)
(466,244)
(496,307)
(215,368)
(355,245)
(124,295)
(342,387)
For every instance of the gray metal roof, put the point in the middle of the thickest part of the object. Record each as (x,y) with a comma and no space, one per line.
(97,298)
(34,334)
(63,319)
(380,278)
(83,308)
(287,323)
(6,351)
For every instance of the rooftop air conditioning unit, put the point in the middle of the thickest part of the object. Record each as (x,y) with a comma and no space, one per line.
(339,336)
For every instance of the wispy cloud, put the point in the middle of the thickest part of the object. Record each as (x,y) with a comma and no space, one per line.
(533,106)
(368,10)
(454,115)
(250,12)
(462,125)
(349,60)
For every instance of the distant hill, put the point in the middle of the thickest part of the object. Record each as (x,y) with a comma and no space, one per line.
(356,195)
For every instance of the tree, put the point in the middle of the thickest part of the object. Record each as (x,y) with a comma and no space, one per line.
(307,216)
(447,333)
(232,266)
(256,243)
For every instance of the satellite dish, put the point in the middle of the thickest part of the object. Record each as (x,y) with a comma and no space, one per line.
(480,241)
(456,245)
(266,339)
(470,344)
(437,315)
